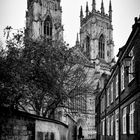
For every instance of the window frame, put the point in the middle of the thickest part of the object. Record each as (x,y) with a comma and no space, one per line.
(108,126)
(48,27)
(101,47)
(112,125)
(111,92)
(132,65)
(131,118)
(124,120)
(103,127)
(117,124)
(116,85)
(108,96)
(122,78)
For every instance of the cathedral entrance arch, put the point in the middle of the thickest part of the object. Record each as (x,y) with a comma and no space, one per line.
(80,134)
(80,126)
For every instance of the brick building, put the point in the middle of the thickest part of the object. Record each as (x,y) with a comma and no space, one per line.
(118,105)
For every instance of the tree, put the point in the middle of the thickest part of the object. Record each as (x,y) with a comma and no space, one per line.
(40,76)
(9,76)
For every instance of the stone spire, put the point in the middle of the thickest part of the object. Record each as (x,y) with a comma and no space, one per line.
(110,10)
(77,40)
(59,7)
(81,13)
(93,5)
(87,11)
(102,7)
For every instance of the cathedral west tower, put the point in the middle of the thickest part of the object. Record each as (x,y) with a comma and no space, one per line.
(43,19)
(96,43)
(96,37)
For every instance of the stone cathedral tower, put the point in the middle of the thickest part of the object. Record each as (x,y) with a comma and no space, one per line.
(96,43)
(96,37)
(43,19)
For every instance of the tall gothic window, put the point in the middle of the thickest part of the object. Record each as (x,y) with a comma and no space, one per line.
(48,27)
(101,47)
(88,47)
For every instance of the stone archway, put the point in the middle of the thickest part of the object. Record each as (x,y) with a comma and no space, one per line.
(80,126)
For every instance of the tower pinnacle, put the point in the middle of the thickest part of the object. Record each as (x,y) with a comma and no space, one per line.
(81,13)
(102,7)
(87,11)
(110,10)
(77,40)
(93,5)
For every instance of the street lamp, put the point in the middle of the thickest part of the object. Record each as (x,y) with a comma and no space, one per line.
(127,63)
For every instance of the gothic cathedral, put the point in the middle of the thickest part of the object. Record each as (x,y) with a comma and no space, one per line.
(44,20)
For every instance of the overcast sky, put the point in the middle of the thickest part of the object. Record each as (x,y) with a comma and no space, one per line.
(12,12)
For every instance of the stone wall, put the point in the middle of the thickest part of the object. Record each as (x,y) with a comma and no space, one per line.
(46,130)
(17,125)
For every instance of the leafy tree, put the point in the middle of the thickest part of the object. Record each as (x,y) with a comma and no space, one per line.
(9,76)
(40,76)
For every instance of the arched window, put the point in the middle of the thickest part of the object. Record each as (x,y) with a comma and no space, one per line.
(88,47)
(48,27)
(101,47)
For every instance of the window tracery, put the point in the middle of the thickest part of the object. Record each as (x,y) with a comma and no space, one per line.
(48,27)
(101,47)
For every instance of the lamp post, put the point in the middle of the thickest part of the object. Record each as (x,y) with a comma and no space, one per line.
(127,63)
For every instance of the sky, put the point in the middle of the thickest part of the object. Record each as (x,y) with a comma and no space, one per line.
(12,13)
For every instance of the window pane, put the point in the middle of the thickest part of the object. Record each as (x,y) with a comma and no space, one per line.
(132,65)
(116,86)
(124,120)
(111,92)
(122,77)
(131,117)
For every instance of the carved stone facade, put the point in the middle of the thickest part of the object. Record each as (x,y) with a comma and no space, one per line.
(96,43)
(43,19)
